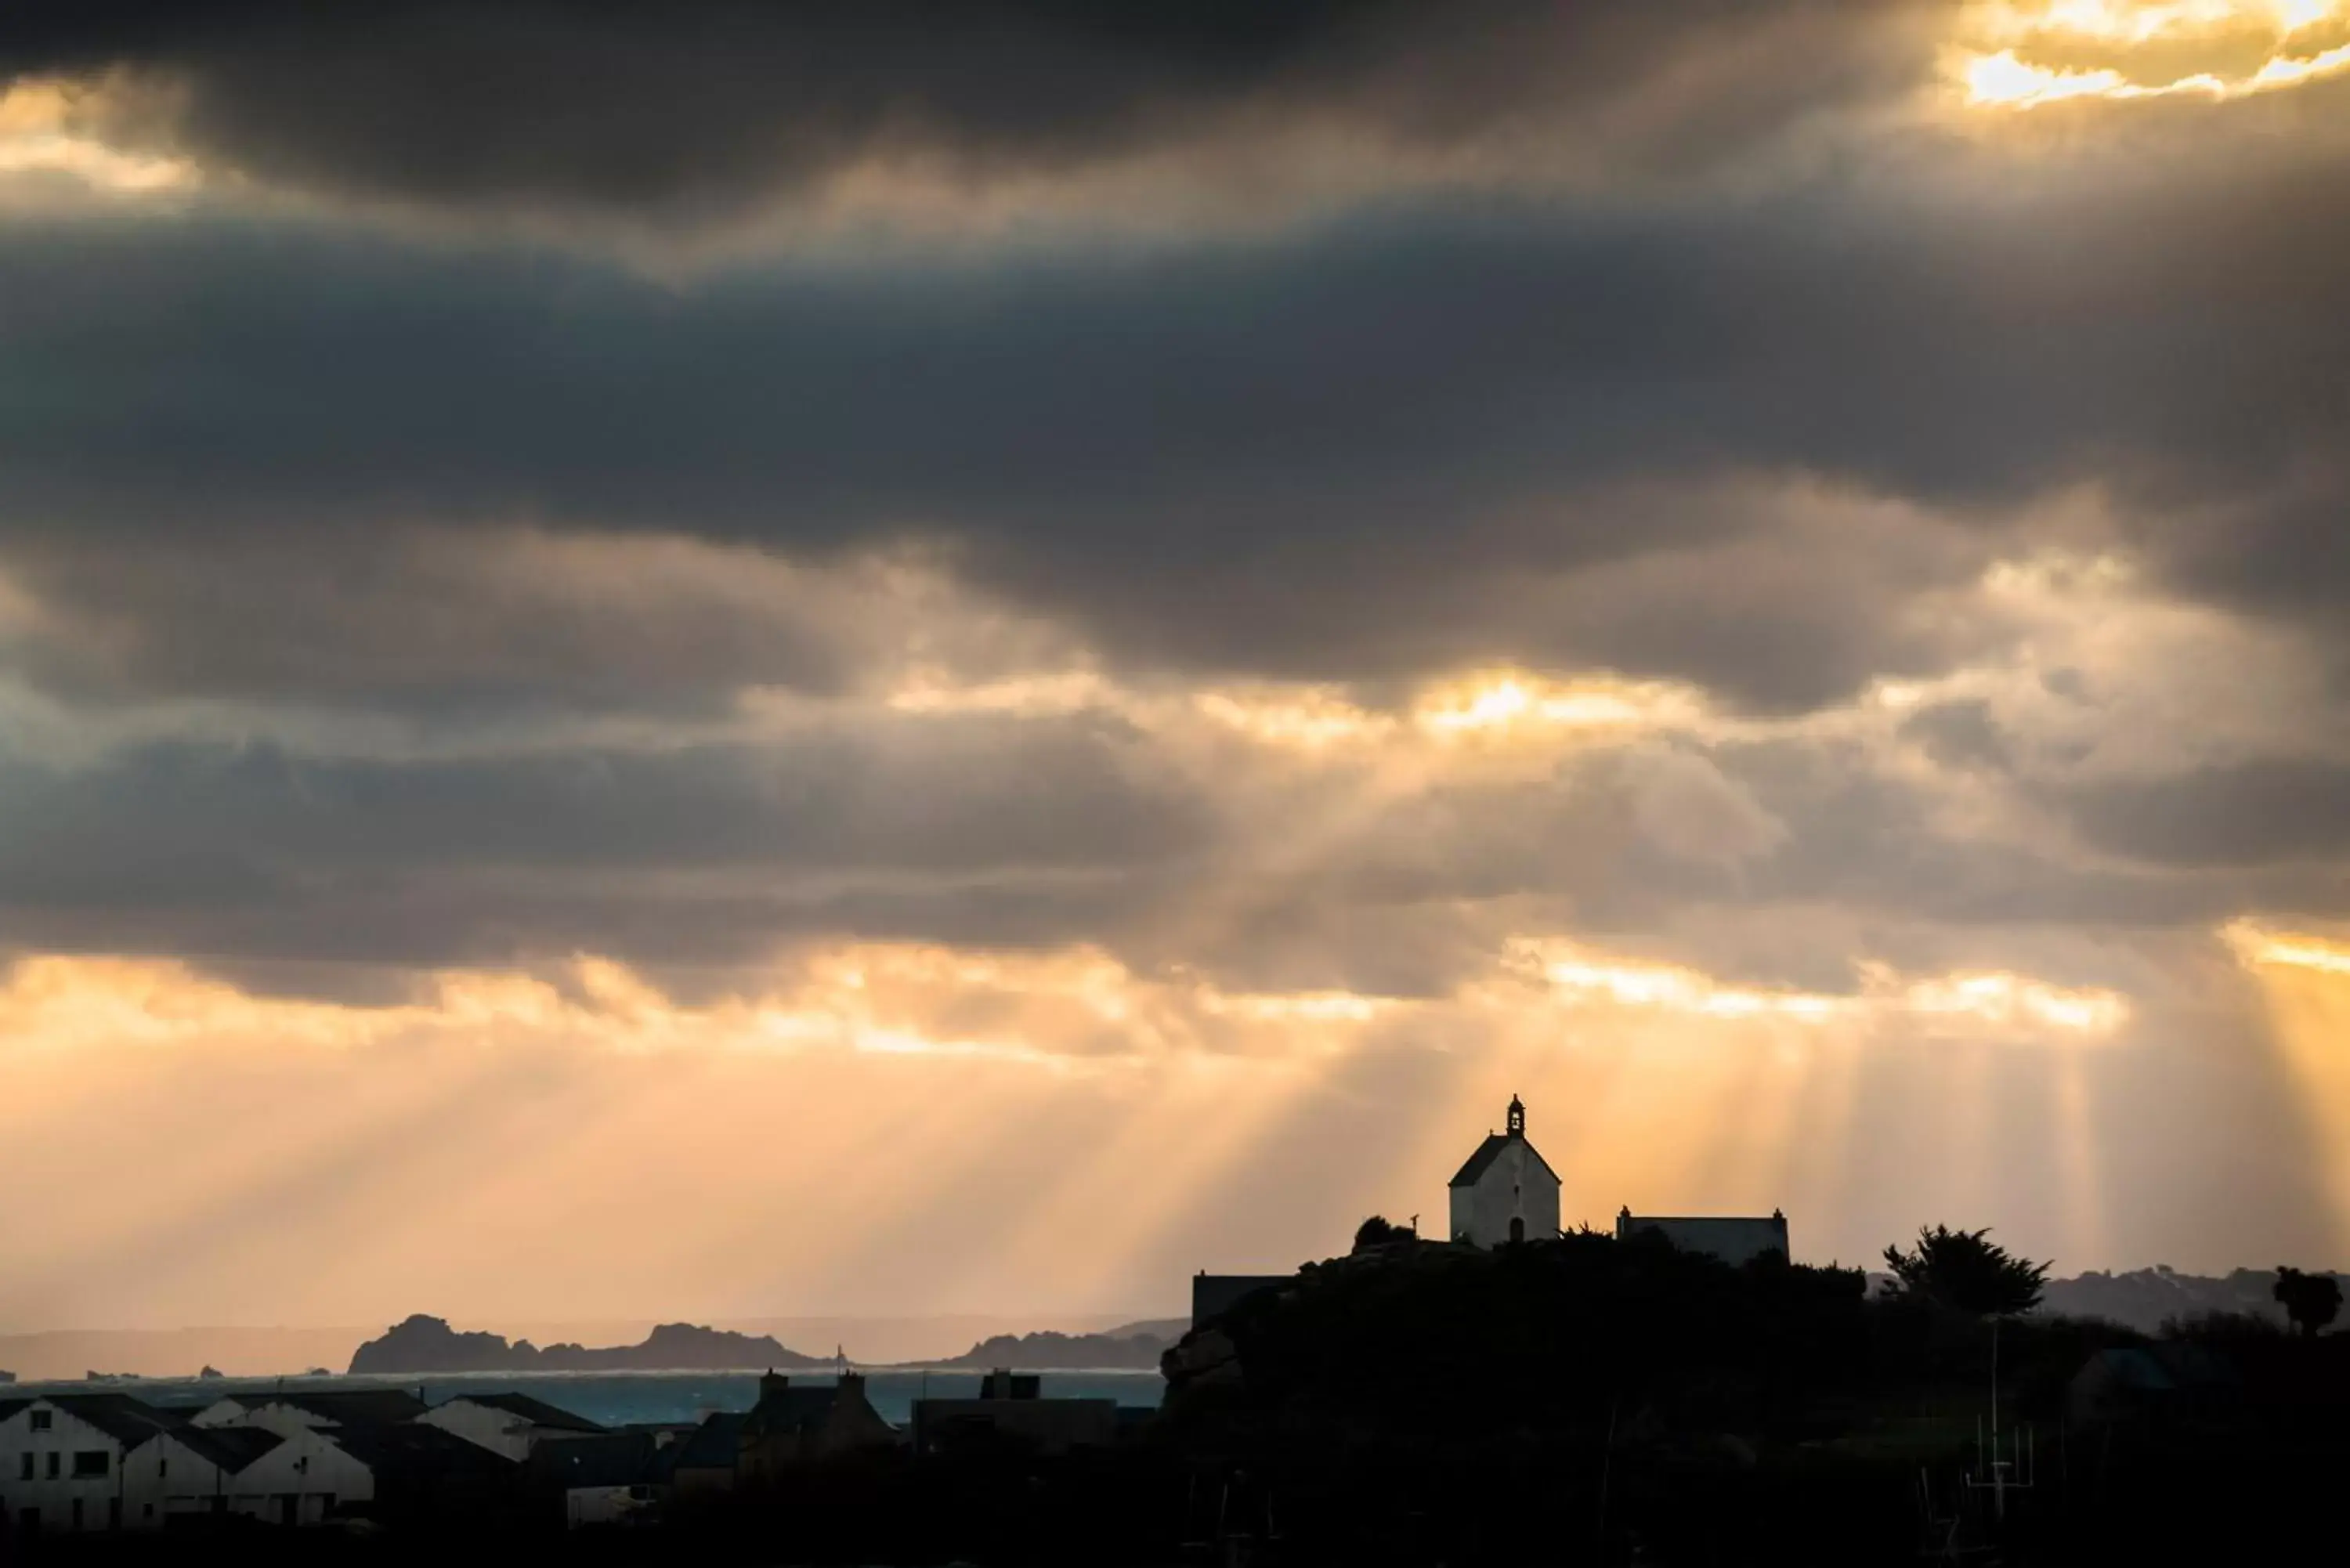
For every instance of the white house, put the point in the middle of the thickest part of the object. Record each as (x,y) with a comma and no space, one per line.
(508,1424)
(189,1470)
(1507,1191)
(61,1459)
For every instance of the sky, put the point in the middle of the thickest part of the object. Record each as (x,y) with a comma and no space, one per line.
(728,661)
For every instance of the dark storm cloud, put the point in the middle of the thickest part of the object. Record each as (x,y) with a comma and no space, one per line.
(439,621)
(210,847)
(2281,548)
(1959,735)
(2264,811)
(1391,445)
(702,107)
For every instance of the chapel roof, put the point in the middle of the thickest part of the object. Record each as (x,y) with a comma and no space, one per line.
(1490,1150)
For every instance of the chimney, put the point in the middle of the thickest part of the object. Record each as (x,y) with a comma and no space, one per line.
(773,1383)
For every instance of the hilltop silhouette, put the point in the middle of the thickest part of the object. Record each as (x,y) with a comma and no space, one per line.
(424,1344)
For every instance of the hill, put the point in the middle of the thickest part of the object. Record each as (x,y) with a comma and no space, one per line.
(2147,1298)
(423,1344)
(1135,1347)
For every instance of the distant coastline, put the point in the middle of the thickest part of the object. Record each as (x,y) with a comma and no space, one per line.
(422,1344)
(426,1345)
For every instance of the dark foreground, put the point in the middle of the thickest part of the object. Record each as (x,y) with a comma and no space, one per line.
(1579,1401)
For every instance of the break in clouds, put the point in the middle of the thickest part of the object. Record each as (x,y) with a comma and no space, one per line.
(1412,546)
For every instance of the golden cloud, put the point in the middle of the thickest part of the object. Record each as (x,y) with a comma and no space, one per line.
(1997,1005)
(2025,55)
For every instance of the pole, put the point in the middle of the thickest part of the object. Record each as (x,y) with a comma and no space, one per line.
(1995,1383)
(1606,1459)
(1998,1475)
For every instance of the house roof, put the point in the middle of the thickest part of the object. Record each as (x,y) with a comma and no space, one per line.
(418,1453)
(125,1420)
(179,1412)
(10,1406)
(791,1410)
(1490,1150)
(343,1407)
(229,1448)
(715,1444)
(537,1412)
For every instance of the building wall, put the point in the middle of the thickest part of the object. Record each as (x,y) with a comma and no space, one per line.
(1054,1426)
(1731,1238)
(55,1497)
(163,1478)
(307,1467)
(485,1426)
(1516,1186)
(703,1481)
(850,1424)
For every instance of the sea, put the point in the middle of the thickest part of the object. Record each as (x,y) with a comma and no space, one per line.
(622,1398)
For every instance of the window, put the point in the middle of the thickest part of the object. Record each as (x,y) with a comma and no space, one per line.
(25,1472)
(41,1419)
(163,1467)
(89,1464)
(53,1465)
(147,1510)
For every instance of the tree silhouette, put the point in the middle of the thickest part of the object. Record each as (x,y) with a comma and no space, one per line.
(1964,1271)
(2311,1301)
(1376,1231)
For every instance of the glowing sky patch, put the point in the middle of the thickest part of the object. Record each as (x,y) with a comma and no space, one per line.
(2026,56)
(1506,702)
(2256,944)
(41,134)
(2304,980)
(2021,1006)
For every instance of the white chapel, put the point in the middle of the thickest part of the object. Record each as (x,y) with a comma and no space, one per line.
(1507,1191)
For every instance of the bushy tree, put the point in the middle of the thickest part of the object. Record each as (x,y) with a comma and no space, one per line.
(2311,1301)
(1376,1231)
(1966,1272)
